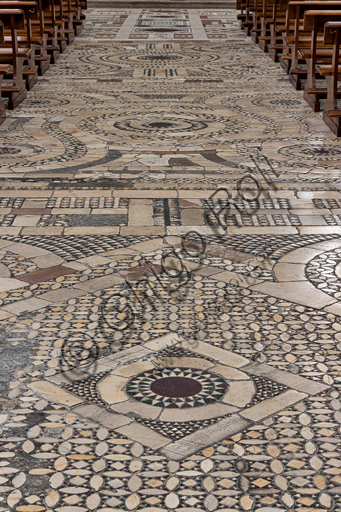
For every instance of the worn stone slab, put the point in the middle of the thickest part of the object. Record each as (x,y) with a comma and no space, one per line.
(219,354)
(144,435)
(28,251)
(54,393)
(298,292)
(47,260)
(99,283)
(24,306)
(137,408)
(68,376)
(102,416)
(163,342)
(111,389)
(288,379)
(9,283)
(202,413)
(206,437)
(290,272)
(273,405)
(133,369)
(61,295)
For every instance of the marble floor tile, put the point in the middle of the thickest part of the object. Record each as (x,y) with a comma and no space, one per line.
(166,344)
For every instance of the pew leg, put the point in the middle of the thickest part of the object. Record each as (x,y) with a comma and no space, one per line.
(275,49)
(43,65)
(313,100)
(256,29)
(334,123)
(17,92)
(310,93)
(285,64)
(54,54)
(2,106)
(70,32)
(264,37)
(16,98)
(42,58)
(31,74)
(332,94)
(331,113)
(78,24)
(295,78)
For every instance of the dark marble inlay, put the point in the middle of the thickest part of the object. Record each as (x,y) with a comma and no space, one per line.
(160,124)
(176,387)
(94,220)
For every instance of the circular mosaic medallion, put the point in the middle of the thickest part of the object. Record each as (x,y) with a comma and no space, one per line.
(176,388)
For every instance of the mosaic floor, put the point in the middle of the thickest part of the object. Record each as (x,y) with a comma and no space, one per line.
(166,345)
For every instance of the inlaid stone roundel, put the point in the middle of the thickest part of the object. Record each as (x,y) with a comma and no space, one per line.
(176,387)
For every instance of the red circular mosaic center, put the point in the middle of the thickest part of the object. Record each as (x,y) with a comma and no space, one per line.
(176,387)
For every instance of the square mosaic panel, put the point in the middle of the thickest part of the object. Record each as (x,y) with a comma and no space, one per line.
(177,400)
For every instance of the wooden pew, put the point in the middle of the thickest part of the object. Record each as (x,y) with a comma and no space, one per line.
(4,69)
(42,57)
(247,23)
(15,56)
(25,36)
(277,28)
(332,73)
(267,20)
(314,22)
(295,36)
(256,17)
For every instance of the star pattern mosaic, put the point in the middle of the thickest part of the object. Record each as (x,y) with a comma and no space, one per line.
(177,388)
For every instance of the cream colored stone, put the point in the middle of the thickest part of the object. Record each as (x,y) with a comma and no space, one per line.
(93,501)
(190,362)
(247,502)
(133,369)
(220,355)
(172,500)
(290,272)
(144,435)
(272,405)
(172,483)
(94,261)
(7,284)
(96,482)
(302,255)
(111,389)
(239,393)
(144,410)
(230,373)
(227,427)
(163,342)
(204,412)
(134,483)
(54,393)
(102,416)
(301,292)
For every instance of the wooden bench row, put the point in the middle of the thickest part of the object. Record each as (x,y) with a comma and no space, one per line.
(32,35)
(304,36)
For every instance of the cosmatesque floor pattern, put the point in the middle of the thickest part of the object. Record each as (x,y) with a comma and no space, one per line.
(165,345)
